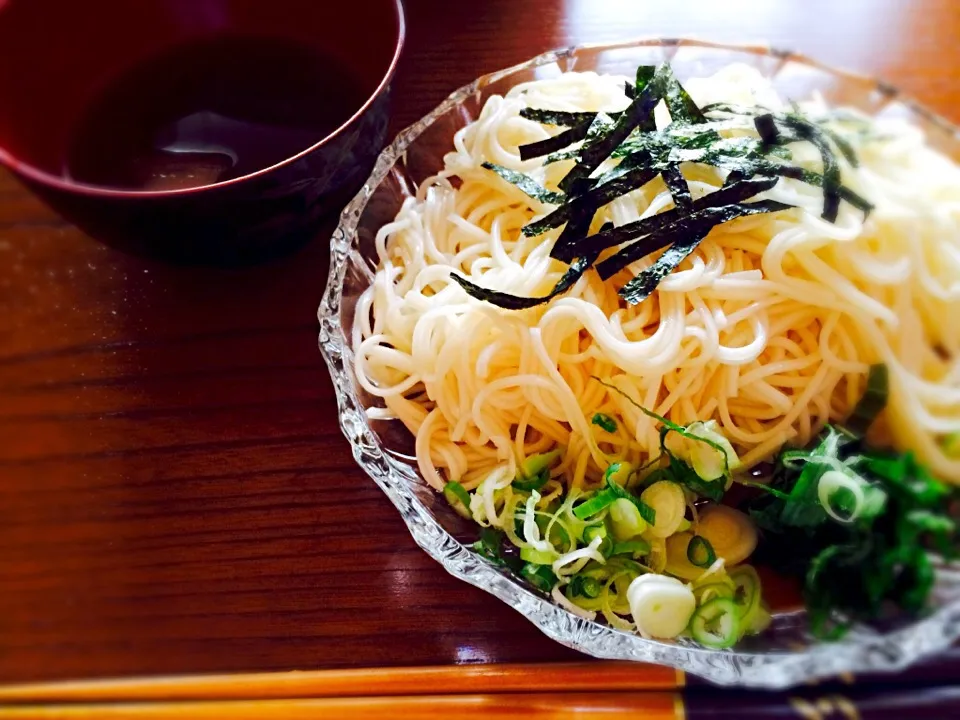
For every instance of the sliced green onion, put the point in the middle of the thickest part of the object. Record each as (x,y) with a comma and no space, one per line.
(758,622)
(592,532)
(616,477)
(700,552)
(618,474)
(537,557)
(702,446)
(706,593)
(634,548)
(625,564)
(605,421)
(661,605)
(677,563)
(746,591)
(534,472)
(558,533)
(585,586)
(841,495)
(716,624)
(536,464)
(598,502)
(625,519)
(731,533)
(532,483)
(458,497)
(669,505)
(539,575)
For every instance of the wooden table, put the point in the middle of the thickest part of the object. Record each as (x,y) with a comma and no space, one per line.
(175,493)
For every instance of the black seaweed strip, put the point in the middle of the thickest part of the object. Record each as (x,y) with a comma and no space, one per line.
(727,195)
(560,118)
(689,224)
(639,111)
(683,110)
(515,302)
(595,199)
(526,184)
(640,288)
(555,143)
(677,185)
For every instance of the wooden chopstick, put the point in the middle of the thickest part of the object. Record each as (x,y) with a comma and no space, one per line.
(535,706)
(593,677)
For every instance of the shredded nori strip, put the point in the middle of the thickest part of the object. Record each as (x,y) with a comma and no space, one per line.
(681,106)
(766,128)
(677,185)
(515,302)
(753,166)
(560,118)
(645,283)
(807,131)
(639,113)
(831,179)
(593,199)
(729,194)
(689,224)
(845,148)
(814,178)
(555,143)
(527,184)
(598,127)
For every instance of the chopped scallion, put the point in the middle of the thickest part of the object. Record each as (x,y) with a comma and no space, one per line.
(700,552)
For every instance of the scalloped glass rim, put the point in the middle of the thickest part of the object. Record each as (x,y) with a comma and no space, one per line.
(863,650)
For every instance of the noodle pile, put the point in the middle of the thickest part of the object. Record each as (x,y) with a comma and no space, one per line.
(769,328)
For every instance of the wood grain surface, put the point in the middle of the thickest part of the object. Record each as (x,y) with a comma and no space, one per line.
(175,494)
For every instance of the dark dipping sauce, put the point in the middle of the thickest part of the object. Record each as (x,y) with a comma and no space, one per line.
(209,111)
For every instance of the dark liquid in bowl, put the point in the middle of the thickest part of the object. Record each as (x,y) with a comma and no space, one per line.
(210,111)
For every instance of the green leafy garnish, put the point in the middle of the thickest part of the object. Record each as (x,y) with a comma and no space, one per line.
(677,470)
(605,421)
(489,544)
(851,565)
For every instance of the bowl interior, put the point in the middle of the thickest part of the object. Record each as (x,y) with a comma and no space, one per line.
(57,56)
(783,655)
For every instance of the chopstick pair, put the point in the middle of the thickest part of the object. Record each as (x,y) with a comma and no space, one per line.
(932,702)
(591,689)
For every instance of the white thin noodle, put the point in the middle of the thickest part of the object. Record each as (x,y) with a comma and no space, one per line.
(769,328)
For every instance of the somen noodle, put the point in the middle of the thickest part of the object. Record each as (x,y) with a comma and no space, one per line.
(769,328)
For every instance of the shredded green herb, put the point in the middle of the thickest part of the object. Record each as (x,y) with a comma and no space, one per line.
(605,422)
(851,566)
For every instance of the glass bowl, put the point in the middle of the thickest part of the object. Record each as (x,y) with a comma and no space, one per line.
(782,656)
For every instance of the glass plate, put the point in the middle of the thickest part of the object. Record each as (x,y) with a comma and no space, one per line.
(785,654)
